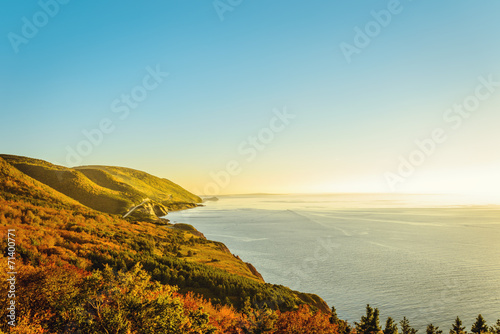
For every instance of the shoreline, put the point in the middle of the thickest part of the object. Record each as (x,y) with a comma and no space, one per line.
(313,298)
(419,222)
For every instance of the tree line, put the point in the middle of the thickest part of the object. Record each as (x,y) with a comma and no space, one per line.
(370,324)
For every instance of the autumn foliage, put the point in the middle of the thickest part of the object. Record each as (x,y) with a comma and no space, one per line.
(65,299)
(84,271)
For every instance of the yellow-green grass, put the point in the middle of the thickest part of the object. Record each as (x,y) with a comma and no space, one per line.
(107,189)
(217,255)
(158,189)
(15,185)
(73,184)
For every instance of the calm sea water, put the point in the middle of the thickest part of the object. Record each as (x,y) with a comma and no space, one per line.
(428,258)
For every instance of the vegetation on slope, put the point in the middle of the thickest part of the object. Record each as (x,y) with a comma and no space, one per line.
(112,190)
(106,301)
(54,231)
(80,270)
(158,189)
(17,186)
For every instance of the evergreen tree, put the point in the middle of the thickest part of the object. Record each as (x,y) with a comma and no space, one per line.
(457,328)
(390,327)
(334,319)
(247,307)
(479,326)
(369,324)
(343,326)
(406,328)
(431,329)
(496,328)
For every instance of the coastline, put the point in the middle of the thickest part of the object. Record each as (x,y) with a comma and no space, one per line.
(310,298)
(370,247)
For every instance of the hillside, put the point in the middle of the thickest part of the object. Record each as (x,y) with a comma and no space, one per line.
(26,200)
(19,187)
(113,190)
(56,230)
(124,179)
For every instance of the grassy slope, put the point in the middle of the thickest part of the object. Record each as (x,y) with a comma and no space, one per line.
(74,184)
(55,225)
(17,186)
(107,189)
(155,188)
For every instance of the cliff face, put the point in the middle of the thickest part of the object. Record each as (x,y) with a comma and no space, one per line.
(314,300)
(253,270)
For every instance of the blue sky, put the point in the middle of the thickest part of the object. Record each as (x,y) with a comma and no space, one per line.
(353,121)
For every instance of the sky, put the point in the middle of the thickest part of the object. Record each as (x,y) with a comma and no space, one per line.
(239,96)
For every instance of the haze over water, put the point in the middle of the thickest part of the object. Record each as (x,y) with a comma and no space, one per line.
(426,257)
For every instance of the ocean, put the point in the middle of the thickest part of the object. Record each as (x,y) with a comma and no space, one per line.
(427,257)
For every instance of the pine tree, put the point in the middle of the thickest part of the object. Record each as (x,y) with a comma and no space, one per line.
(496,328)
(369,324)
(390,327)
(406,328)
(431,329)
(479,326)
(343,326)
(334,319)
(457,328)
(247,307)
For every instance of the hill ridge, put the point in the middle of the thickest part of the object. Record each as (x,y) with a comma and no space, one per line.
(109,189)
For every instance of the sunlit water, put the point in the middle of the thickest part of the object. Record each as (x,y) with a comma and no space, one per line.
(428,258)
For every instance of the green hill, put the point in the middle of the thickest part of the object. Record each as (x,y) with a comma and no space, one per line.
(160,190)
(17,186)
(112,190)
